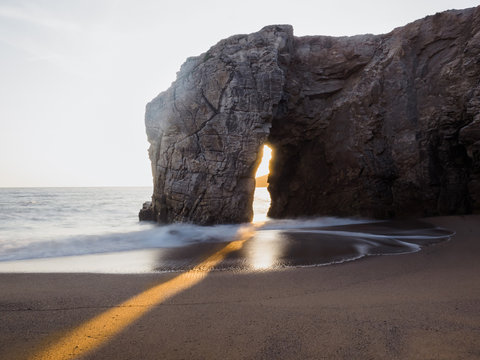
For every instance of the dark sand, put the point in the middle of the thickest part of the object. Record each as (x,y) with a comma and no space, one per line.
(424,305)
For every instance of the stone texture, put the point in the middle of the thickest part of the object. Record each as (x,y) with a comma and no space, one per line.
(146,212)
(382,126)
(206,131)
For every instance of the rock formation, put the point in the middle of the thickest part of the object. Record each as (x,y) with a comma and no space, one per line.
(371,125)
(261,181)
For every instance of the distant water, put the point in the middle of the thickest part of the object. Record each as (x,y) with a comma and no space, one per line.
(48,226)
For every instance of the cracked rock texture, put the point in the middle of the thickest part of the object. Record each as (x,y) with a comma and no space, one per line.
(371,125)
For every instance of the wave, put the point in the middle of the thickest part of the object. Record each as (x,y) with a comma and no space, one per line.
(274,243)
(299,223)
(175,235)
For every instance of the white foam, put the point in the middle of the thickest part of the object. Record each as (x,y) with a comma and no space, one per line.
(320,222)
(174,235)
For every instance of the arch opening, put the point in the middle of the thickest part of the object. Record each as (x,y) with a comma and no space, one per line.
(261,197)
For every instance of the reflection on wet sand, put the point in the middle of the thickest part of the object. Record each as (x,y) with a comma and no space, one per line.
(270,249)
(264,251)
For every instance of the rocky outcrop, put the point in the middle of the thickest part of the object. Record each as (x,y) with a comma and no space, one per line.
(381,126)
(206,131)
(261,181)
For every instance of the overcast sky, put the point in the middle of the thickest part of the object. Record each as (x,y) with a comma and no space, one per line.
(75,75)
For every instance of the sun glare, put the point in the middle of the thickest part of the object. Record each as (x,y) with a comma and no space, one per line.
(263,167)
(261,199)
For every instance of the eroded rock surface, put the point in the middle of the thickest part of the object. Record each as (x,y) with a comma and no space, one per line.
(383,126)
(206,130)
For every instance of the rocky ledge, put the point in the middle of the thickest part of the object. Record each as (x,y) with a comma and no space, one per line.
(371,125)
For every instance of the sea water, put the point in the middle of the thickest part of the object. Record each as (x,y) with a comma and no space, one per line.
(97,230)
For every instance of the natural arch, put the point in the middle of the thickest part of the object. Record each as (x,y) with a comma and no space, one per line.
(368,125)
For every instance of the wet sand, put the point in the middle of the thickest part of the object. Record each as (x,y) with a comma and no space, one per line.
(423,305)
(271,245)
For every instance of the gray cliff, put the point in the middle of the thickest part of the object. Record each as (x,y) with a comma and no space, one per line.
(372,125)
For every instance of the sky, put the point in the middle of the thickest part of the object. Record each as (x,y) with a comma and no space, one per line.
(75,75)
(263,168)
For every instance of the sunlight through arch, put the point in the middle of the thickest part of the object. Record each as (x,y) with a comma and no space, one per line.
(261,199)
(264,164)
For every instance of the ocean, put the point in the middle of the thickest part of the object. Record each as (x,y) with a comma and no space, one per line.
(97,230)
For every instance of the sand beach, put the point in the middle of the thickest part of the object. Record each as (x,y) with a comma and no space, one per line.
(423,305)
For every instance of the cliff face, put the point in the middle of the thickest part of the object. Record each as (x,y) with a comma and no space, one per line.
(381,126)
(207,130)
